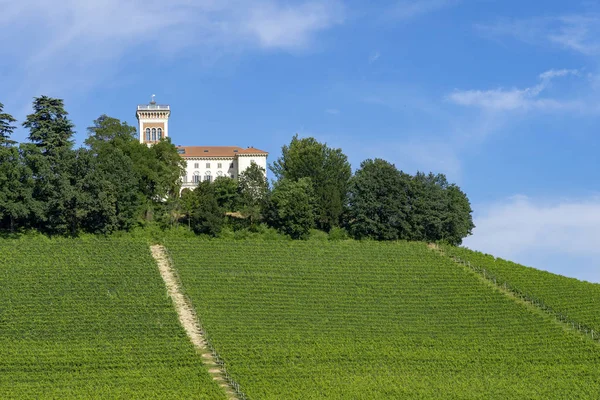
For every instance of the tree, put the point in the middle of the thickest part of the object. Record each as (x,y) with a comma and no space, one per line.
(113,181)
(378,202)
(207,217)
(188,203)
(110,130)
(15,188)
(428,206)
(439,211)
(253,189)
(459,222)
(226,193)
(6,129)
(49,127)
(51,159)
(291,208)
(328,169)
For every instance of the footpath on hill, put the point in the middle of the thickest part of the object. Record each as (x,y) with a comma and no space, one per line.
(189,321)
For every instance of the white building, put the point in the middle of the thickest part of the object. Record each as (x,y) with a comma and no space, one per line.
(204,163)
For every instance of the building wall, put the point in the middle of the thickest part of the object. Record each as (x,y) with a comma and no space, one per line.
(245,161)
(229,167)
(152,120)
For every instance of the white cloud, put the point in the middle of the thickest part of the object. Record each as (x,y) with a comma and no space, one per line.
(517,99)
(74,44)
(332,111)
(290,27)
(555,73)
(521,228)
(575,32)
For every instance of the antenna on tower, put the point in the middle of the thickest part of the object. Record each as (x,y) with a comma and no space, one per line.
(153,102)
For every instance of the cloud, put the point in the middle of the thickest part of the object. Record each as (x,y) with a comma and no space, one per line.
(406,9)
(332,111)
(517,99)
(576,32)
(290,27)
(521,228)
(74,44)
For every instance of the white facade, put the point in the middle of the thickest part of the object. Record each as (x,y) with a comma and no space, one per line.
(199,168)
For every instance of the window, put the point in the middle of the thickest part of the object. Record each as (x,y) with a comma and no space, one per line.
(196,177)
(196,165)
(159,133)
(219,165)
(154,134)
(207,165)
(148,134)
(231,176)
(184,178)
(231,165)
(219,173)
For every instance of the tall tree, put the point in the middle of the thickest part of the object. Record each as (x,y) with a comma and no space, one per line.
(291,209)
(114,181)
(49,127)
(52,159)
(253,189)
(207,217)
(378,202)
(459,222)
(226,193)
(6,129)
(428,206)
(15,188)
(328,170)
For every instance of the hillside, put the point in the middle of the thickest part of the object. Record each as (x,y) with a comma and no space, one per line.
(573,300)
(90,319)
(368,320)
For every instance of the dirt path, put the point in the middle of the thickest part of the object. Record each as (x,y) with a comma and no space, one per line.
(189,320)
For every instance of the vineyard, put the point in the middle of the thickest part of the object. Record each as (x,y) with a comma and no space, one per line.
(572,300)
(366,320)
(91,319)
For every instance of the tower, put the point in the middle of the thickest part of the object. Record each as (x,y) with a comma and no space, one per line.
(153,121)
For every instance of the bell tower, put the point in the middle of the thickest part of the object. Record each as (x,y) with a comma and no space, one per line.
(153,121)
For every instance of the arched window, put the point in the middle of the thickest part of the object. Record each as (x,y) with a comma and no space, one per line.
(148,134)
(196,177)
(159,133)
(154,134)
(219,173)
(207,176)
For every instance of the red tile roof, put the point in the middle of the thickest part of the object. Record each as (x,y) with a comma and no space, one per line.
(217,151)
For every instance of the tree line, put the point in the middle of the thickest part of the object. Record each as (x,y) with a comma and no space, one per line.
(114,183)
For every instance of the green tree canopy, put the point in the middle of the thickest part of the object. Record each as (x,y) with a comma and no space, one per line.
(49,127)
(253,189)
(52,161)
(6,129)
(226,193)
(328,170)
(378,202)
(207,218)
(291,208)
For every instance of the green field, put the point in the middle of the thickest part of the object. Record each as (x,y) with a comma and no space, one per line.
(352,320)
(578,300)
(91,319)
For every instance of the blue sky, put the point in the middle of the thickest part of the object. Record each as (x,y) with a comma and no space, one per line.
(502,97)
